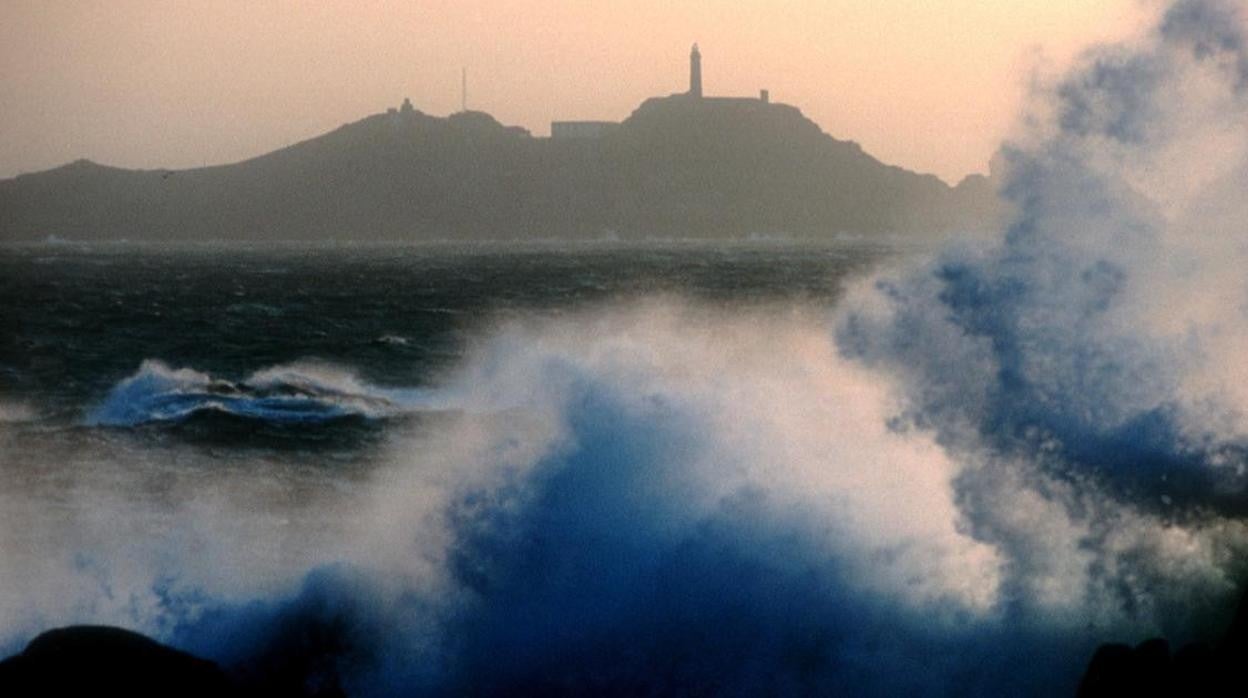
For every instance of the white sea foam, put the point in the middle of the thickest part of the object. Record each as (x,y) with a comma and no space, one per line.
(297,393)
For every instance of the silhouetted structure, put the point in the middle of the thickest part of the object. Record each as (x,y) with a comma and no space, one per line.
(684,165)
(695,72)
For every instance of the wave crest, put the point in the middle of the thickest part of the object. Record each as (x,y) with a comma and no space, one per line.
(300,393)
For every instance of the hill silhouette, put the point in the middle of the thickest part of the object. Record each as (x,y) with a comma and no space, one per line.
(677,167)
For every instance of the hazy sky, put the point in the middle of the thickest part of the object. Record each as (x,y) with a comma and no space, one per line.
(931,85)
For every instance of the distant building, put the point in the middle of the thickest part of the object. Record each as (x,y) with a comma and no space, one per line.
(695,83)
(581,130)
(407,106)
(695,72)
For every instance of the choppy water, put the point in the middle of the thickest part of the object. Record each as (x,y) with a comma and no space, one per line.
(679,468)
(79,320)
(741,469)
(189,427)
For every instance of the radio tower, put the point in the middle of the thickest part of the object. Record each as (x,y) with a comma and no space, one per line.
(695,72)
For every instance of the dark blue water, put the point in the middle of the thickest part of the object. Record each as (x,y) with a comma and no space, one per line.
(77,320)
(237,449)
(662,470)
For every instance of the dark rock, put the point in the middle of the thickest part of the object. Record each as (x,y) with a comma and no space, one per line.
(104,661)
(1111,663)
(1149,669)
(1194,670)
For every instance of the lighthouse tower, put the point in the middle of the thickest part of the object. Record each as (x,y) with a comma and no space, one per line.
(695,73)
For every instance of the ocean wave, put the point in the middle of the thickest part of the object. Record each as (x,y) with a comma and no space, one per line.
(663,499)
(301,393)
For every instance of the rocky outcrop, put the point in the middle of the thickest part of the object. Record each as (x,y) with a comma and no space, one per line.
(1150,669)
(105,661)
(678,167)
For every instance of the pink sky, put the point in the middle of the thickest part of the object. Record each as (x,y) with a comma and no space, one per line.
(931,85)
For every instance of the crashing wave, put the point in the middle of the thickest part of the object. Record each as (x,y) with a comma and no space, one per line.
(294,394)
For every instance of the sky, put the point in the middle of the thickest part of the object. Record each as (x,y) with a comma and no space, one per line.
(930,85)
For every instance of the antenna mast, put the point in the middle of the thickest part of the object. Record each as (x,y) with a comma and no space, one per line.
(463,89)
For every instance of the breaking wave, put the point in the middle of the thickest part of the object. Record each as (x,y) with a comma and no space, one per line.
(294,394)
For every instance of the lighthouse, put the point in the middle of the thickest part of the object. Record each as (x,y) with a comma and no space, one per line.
(695,72)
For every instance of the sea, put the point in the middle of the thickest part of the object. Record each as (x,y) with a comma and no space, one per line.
(192,435)
(860,467)
(81,318)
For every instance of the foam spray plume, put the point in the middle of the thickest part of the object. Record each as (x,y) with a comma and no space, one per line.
(958,481)
(1087,363)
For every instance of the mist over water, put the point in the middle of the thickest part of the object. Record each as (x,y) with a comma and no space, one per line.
(1086,366)
(670,470)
